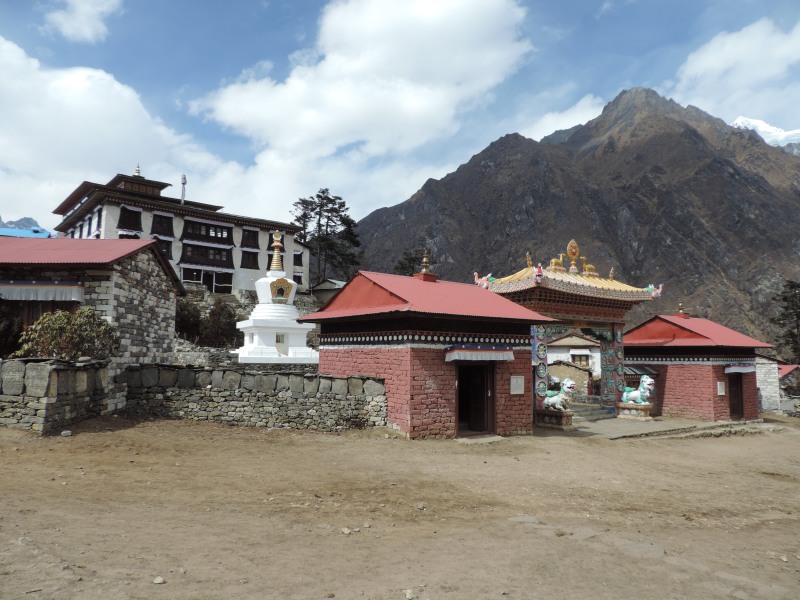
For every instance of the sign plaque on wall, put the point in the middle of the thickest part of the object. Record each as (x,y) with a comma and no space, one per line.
(517,385)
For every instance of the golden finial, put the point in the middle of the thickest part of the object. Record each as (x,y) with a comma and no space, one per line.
(588,270)
(528,259)
(277,262)
(425,262)
(573,252)
(557,264)
(611,274)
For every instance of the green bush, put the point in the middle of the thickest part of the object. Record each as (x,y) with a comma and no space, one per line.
(218,329)
(188,320)
(69,336)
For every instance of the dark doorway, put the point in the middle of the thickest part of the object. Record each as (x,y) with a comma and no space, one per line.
(735,395)
(475,399)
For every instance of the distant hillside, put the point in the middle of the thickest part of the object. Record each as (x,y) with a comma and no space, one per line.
(23,223)
(661,193)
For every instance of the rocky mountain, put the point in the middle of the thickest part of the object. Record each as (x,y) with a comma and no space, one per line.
(23,223)
(661,193)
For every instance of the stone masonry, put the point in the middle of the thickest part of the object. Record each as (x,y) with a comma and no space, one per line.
(43,396)
(239,396)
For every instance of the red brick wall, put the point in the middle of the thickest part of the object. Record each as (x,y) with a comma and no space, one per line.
(393,365)
(690,392)
(514,413)
(421,392)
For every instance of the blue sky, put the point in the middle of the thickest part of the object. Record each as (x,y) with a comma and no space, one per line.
(260,102)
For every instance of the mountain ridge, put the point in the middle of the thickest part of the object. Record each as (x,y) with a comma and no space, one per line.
(662,193)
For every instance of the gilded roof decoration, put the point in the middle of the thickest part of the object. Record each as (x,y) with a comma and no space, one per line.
(583,281)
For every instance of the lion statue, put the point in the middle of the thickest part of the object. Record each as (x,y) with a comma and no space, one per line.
(641,394)
(560,400)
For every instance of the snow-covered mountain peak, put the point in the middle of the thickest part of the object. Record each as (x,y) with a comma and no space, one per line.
(774,136)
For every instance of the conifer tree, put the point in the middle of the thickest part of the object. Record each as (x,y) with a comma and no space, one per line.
(788,319)
(330,233)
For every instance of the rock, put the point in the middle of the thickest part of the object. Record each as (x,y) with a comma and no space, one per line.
(421,506)
(346,530)
(159,580)
(410,595)
(66,433)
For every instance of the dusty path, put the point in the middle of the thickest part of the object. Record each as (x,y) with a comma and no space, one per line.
(222,512)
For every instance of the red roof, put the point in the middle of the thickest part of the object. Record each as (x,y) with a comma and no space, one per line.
(69,252)
(682,330)
(380,294)
(784,370)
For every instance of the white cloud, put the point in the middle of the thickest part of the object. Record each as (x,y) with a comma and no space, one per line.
(82,20)
(59,127)
(586,109)
(388,77)
(754,71)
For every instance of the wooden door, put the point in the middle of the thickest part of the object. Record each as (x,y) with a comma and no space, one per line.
(735,395)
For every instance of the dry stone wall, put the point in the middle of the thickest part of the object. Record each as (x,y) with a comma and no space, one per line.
(43,396)
(239,396)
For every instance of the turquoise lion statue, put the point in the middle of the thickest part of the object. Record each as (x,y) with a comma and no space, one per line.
(560,400)
(641,394)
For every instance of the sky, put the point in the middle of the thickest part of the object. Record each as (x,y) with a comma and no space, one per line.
(262,102)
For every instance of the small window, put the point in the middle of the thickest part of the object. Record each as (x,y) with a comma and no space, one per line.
(298,278)
(99,218)
(249,260)
(280,338)
(129,219)
(166,248)
(162,225)
(249,238)
(89,226)
(298,259)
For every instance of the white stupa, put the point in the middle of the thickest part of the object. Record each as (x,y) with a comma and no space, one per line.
(272,333)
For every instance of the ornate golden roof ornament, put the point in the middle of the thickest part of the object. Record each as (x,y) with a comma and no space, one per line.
(425,262)
(557,264)
(573,252)
(588,270)
(277,262)
(611,274)
(528,259)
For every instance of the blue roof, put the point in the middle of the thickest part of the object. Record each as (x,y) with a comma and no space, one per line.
(24,233)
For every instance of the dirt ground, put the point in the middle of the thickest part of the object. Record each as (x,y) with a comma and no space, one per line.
(222,512)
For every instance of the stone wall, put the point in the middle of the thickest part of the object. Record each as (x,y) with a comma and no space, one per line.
(767,378)
(256,398)
(44,396)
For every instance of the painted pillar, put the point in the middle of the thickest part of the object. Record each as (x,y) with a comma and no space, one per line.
(542,334)
(612,365)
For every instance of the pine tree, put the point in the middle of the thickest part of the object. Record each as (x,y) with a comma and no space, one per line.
(788,319)
(330,233)
(411,262)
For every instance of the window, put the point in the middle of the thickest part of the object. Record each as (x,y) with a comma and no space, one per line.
(249,260)
(129,219)
(298,258)
(162,225)
(249,238)
(99,218)
(203,255)
(166,248)
(89,226)
(298,278)
(80,231)
(209,233)
(581,360)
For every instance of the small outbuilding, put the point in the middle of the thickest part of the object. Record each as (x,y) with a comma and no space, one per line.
(455,358)
(129,282)
(703,370)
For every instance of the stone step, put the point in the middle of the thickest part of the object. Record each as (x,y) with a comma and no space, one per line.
(590,412)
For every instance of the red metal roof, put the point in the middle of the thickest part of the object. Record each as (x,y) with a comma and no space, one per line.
(784,370)
(69,252)
(380,293)
(682,330)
